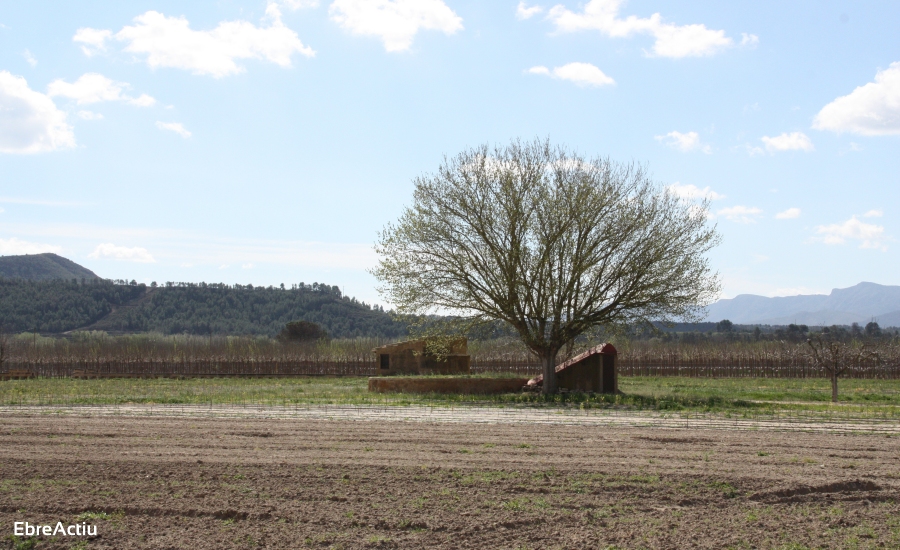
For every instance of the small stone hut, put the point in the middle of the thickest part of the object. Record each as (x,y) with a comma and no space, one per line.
(592,371)
(410,357)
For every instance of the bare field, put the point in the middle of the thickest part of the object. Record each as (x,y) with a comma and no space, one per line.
(292,483)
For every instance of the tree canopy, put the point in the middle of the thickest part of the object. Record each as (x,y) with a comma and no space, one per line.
(548,241)
(195,308)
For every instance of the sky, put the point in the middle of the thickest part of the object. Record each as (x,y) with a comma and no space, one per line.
(269,142)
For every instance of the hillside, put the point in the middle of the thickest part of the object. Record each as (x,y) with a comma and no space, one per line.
(57,305)
(42,267)
(62,305)
(857,304)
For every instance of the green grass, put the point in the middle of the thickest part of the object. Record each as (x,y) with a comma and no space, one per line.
(734,396)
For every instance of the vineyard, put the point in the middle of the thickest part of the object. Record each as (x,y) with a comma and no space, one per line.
(91,355)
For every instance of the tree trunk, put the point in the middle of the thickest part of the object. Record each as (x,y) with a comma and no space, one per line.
(834,387)
(548,363)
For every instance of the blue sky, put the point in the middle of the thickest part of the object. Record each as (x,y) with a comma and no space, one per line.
(268,142)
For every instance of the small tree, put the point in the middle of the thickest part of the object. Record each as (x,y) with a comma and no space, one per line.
(724,326)
(550,242)
(873,330)
(836,357)
(302,331)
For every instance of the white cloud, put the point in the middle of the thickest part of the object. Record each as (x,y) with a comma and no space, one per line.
(583,74)
(869,110)
(15,247)
(176,127)
(29,120)
(92,40)
(749,40)
(29,58)
(297,4)
(795,141)
(684,142)
(247,266)
(395,22)
(692,192)
(753,151)
(89,115)
(523,11)
(873,214)
(94,88)
(789,214)
(109,251)
(741,214)
(273,8)
(869,235)
(671,40)
(170,42)
(142,100)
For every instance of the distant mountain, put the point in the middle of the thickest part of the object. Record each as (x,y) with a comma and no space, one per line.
(41,267)
(860,304)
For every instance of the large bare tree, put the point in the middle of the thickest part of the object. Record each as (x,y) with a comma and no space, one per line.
(550,242)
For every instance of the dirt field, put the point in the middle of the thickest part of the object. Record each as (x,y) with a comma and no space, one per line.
(245,483)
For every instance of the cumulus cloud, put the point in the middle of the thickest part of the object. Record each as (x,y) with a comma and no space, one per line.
(741,214)
(92,41)
(671,40)
(868,235)
(94,88)
(15,247)
(583,74)
(795,141)
(870,110)
(395,22)
(109,251)
(176,127)
(789,214)
(524,11)
(684,142)
(873,214)
(29,120)
(692,192)
(170,42)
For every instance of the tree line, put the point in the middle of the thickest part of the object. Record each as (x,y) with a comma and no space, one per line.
(194,308)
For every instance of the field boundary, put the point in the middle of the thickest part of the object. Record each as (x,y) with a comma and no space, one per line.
(366,366)
(469,414)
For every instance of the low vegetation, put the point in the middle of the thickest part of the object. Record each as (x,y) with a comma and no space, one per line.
(740,397)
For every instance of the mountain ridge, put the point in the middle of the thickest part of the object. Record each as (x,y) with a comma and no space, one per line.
(860,303)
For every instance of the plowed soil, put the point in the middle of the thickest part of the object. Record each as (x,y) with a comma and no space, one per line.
(243,483)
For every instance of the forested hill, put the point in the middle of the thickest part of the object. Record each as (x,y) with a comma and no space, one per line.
(64,305)
(40,267)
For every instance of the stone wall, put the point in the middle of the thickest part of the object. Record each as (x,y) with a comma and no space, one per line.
(445,385)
